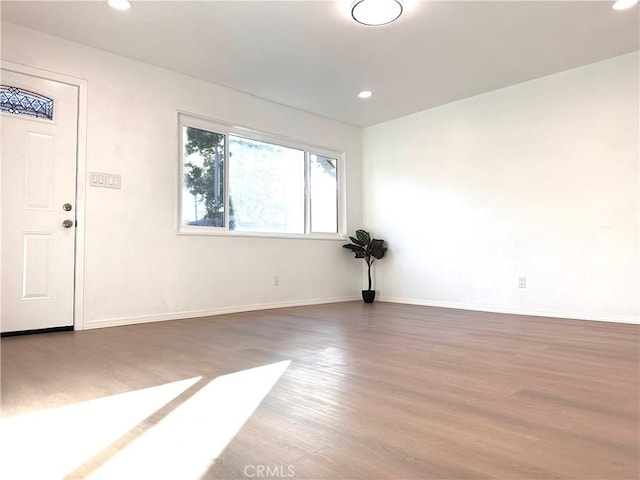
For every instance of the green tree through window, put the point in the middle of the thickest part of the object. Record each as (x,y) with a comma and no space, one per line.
(204,175)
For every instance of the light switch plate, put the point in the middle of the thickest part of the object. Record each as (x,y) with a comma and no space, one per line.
(97,179)
(113,180)
(105,180)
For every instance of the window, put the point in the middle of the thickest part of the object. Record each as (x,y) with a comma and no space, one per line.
(241,182)
(24,102)
(203,171)
(324,199)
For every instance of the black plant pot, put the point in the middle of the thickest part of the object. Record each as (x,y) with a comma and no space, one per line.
(368,296)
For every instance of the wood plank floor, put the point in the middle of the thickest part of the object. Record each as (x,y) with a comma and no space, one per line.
(371,391)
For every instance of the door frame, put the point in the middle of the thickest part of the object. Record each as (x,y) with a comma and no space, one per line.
(81,175)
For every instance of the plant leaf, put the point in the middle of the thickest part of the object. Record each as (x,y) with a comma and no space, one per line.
(377,248)
(364,237)
(356,241)
(359,251)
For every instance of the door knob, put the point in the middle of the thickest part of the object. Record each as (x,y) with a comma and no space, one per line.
(67,223)
(67,207)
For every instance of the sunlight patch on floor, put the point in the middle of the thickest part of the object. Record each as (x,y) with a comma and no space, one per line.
(51,443)
(185,443)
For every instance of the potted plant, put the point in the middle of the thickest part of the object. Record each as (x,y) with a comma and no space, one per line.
(370,250)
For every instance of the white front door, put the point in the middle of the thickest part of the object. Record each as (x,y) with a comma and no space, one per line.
(38,202)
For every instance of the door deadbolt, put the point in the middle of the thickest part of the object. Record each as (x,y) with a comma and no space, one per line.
(67,207)
(67,223)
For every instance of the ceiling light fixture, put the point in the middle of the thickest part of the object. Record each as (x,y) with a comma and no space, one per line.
(624,4)
(365,94)
(376,12)
(119,4)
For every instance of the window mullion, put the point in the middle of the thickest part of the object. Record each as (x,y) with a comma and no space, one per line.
(307,192)
(227,203)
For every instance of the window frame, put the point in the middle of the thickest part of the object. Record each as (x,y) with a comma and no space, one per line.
(216,126)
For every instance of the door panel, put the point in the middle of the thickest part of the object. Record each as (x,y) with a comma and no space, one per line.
(38,168)
(38,177)
(36,274)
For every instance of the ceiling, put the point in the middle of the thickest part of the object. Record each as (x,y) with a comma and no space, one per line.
(311,56)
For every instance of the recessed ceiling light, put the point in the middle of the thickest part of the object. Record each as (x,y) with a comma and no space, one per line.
(376,12)
(365,94)
(119,4)
(624,4)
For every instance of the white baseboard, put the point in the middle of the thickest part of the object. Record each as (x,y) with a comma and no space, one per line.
(132,320)
(514,311)
(114,322)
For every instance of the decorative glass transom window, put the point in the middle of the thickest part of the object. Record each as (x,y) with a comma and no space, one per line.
(24,102)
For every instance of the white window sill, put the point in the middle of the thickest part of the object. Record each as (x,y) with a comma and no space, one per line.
(220,232)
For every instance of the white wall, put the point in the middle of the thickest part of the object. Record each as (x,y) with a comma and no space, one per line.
(136,267)
(538,180)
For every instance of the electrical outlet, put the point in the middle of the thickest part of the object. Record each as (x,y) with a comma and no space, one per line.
(522,282)
(276,280)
